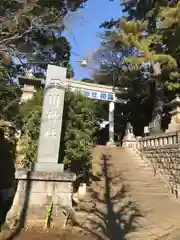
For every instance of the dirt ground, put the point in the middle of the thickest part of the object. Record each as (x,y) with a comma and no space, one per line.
(71,233)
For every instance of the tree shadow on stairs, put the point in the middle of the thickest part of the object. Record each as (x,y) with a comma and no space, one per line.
(112,213)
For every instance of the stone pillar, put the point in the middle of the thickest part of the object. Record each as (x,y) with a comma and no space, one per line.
(44,185)
(51,121)
(111,123)
(129,140)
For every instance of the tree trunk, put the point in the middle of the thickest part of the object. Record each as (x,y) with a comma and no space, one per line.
(155,125)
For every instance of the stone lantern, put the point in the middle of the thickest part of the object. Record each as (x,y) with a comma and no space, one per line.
(129,139)
(174,125)
(29,85)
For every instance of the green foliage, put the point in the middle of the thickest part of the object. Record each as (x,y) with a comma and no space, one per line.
(19,19)
(33,29)
(50,48)
(130,34)
(81,116)
(170,15)
(49,215)
(70,71)
(166,45)
(109,24)
(9,129)
(30,29)
(144,10)
(162,18)
(147,41)
(79,126)
(10,94)
(30,112)
(147,38)
(87,80)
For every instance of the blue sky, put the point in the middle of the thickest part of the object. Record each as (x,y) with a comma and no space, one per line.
(83,28)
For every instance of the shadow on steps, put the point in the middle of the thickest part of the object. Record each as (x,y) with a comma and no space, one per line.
(112,214)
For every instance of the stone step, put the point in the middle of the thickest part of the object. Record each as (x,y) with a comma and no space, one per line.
(170,223)
(129,165)
(133,159)
(142,193)
(142,235)
(153,222)
(134,171)
(149,198)
(141,188)
(154,234)
(149,193)
(144,165)
(128,158)
(149,189)
(148,183)
(128,168)
(146,202)
(140,175)
(172,235)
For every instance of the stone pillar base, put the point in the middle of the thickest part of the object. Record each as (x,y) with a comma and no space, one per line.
(36,192)
(111,144)
(129,141)
(173,127)
(47,167)
(129,144)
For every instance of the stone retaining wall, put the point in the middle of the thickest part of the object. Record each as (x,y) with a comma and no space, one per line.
(163,154)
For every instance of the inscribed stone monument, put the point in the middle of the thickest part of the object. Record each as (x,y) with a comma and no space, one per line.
(45,182)
(51,121)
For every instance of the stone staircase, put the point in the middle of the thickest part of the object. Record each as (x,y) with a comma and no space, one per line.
(129,201)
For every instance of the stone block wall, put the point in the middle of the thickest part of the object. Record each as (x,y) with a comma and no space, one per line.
(35,193)
(163,154)
(166,162)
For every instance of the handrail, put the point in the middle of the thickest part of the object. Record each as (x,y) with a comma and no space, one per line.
(152,142)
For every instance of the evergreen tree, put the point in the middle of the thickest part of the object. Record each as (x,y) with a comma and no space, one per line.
(30,34)
(134,35)
(30,113)
(152,47)
(80,125)
(146,10)
(169,29)
(80,122)
(116,71)
(10,95)
(31,31)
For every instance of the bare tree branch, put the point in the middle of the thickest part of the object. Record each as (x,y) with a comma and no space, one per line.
(16,37)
